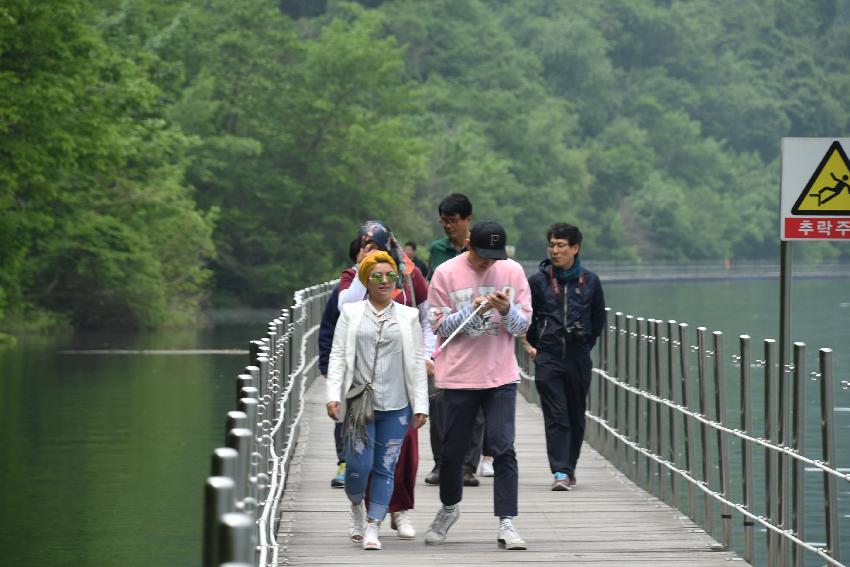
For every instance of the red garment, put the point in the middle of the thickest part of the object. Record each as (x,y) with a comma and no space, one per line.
(405,472)
(404,480)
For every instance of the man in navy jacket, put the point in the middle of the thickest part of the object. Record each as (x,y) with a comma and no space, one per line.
(568,316)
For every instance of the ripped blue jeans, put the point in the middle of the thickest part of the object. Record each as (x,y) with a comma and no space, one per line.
(386,434)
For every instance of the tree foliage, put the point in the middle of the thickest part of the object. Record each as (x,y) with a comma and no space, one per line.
(147,145)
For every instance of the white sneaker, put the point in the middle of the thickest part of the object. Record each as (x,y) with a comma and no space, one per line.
(441,524)
(509,537)
(370,538)
(486,467)
(358,522)
(402,524)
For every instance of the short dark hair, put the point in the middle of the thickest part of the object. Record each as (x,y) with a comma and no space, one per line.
(455,204)
(354,248)
(568,232)
(411,244)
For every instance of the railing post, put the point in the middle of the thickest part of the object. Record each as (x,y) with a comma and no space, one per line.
(618,374)
(702,377)
(672,432)
(241,439)
(224,462)
(604,388)
(627,368)
(244,381)
(827,427)
(746,448)
(798,443)
(603,347)
(639,421)
(236,538)
(688,425)
(249,405)
(660,448)
(218,500)
(722,441)
(770,458)
(783,437)
(235,419)
(651,408)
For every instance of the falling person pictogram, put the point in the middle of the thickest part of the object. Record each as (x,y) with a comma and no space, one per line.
(840,185)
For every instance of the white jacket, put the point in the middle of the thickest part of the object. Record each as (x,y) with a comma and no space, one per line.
(341,362)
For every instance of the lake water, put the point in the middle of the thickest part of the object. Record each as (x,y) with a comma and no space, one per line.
(103,456)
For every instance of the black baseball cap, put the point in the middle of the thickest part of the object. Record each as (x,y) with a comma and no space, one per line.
(489,240)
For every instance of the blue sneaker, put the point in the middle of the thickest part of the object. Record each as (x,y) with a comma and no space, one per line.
(339,480)
(561,482)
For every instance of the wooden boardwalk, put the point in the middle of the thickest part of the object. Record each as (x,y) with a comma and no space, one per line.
(604,520)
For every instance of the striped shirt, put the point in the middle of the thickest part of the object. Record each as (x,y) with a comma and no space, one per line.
(379,329)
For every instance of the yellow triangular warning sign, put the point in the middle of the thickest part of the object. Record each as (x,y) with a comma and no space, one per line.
(828,191)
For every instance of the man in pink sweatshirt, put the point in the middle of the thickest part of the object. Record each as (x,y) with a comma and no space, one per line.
(478,369)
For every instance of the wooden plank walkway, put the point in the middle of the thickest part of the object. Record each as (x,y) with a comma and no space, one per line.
(604,520)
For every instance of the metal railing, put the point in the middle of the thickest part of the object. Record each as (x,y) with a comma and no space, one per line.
(658,412)
(249,474)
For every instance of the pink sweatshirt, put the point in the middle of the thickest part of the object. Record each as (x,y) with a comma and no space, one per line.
(482,355)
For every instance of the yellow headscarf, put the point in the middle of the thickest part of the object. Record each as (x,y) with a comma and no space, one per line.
(368,264)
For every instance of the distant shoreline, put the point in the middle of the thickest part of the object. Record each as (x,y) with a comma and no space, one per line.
(709,271)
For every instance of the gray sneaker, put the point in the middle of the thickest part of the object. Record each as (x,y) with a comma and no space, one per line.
(440,526)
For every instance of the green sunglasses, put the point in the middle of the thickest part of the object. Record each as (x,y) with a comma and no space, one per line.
(378,277)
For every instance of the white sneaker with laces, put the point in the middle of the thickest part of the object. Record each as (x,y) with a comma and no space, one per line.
(509,537)
(370,538)
(487,467)
(400,522)
(441,524)
(358,522)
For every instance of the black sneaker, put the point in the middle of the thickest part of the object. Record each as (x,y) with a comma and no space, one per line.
(470,479)
(433,477)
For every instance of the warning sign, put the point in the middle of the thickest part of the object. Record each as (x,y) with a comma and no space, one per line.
(828,191)
(815,199)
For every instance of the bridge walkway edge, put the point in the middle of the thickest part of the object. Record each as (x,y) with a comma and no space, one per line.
(605,520)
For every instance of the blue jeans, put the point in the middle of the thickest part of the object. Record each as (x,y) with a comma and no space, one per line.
(379,459)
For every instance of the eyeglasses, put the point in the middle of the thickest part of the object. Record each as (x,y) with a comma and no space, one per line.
(378,277)
(449,221)
(559,245)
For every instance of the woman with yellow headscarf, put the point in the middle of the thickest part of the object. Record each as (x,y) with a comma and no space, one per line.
(411,289)
(377,350)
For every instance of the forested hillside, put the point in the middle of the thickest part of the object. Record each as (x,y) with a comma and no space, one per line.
(159,155)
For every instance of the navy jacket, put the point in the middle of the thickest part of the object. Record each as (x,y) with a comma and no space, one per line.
(557,327)
(326,330)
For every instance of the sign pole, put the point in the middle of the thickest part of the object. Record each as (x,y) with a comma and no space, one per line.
(782,414)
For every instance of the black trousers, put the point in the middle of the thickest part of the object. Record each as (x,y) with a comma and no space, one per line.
(476,440)
(338,443)
(562,384)
(460,409)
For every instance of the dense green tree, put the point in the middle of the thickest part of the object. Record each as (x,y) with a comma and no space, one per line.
(98,223)
(145,144)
